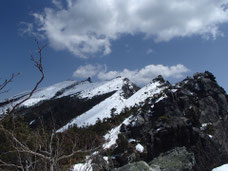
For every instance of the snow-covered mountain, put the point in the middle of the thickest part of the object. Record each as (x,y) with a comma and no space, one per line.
(157,122)
(173,127)
(100,98)
(84,89)
(124,94)
(122,89)
(184,123)
(117,101)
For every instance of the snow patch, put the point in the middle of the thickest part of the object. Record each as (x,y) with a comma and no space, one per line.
(112,135)
(197,87)
(32,122)
(83,166)
(221,168)
(131,140)
(186,81)
(210,136)
(159,129)
(204,126)
(174,90)
(161,98)
(106,159)
(139,148)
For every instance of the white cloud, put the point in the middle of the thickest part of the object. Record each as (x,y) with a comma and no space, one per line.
(149,51)
(87,27)
(57,3)
(28,29)
(88,70)
(140,77)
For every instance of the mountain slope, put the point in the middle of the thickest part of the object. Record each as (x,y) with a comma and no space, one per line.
(152,124)
(152,90)
(83,89)
(67,100)
(124,88)
(192,113)
(117,102)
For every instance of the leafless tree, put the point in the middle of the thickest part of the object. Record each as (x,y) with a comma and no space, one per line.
(48,148)
(19,145)
(50,152)
(6,82)
(39,65)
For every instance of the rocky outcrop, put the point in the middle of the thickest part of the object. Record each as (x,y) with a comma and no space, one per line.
(192,113)
(129,88)
(178,159)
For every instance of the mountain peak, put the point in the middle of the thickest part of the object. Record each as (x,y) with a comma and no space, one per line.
(206,74)
(159,78)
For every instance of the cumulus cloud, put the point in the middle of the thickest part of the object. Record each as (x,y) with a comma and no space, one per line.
(88,70)
(140,77)
(87,27)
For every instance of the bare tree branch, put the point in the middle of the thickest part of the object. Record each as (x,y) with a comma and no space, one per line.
(75,152)
(7,81)
(19,146)
(48,147)
(23,148)
(38,64)
(2,163)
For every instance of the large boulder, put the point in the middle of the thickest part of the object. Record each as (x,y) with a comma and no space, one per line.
(178,159)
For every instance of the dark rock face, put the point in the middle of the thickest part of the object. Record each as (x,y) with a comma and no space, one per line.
(177,159)
(129,89)
(193,113)
(99,163)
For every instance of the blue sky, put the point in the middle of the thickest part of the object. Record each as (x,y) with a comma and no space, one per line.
(104,39)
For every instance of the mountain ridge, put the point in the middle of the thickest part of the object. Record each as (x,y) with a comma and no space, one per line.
(144,124)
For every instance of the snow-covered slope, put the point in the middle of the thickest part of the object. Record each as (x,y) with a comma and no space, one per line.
(84,89)
(47,93)
(103,109)
(40,95)
(154,87)
(117,101)
(151,89)
(125,95)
